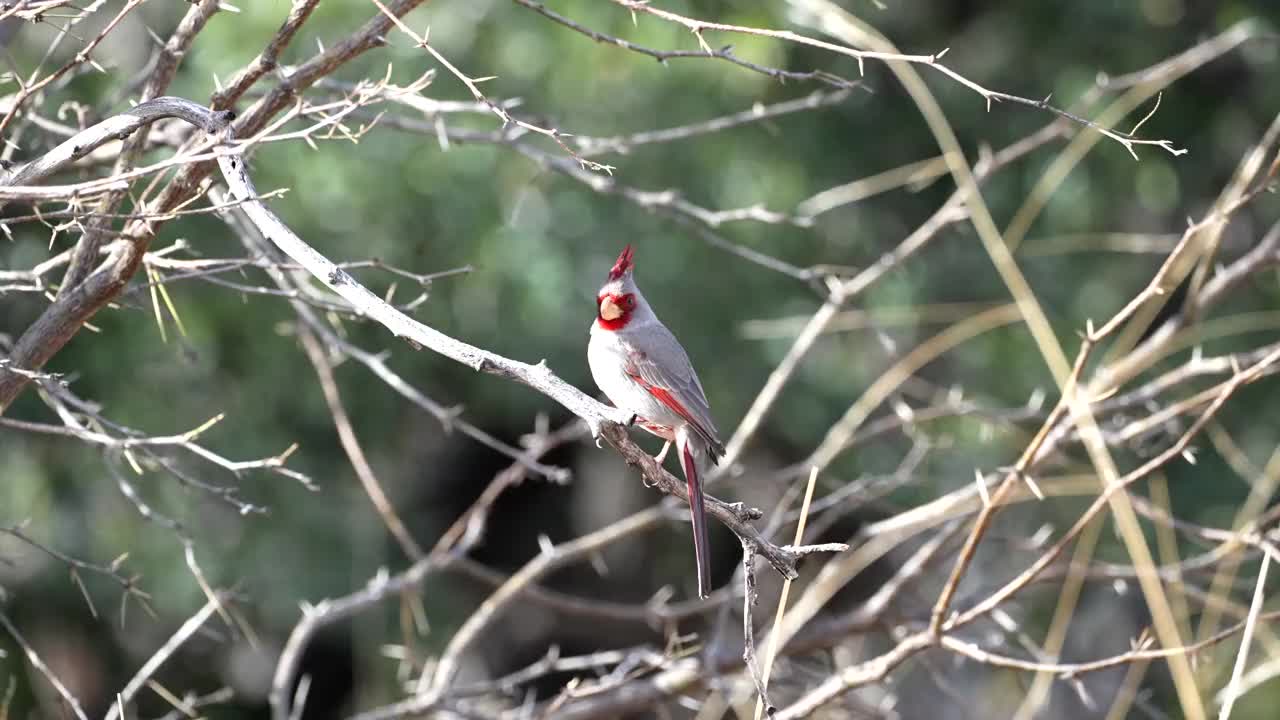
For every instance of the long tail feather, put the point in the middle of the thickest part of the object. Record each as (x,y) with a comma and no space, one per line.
(697,511)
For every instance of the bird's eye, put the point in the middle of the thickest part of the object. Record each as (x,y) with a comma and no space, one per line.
(630,302)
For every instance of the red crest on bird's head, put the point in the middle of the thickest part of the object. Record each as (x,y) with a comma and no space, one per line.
(624,264)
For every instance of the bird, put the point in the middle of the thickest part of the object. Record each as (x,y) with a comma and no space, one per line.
(641,367)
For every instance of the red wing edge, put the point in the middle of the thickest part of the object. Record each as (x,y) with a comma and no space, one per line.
(665,397)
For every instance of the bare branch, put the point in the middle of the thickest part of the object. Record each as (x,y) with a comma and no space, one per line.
(166,651)
(42,668)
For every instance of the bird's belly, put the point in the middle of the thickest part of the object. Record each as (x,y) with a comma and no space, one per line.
(608,368)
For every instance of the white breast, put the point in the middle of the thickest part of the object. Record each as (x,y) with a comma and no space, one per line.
(607,354)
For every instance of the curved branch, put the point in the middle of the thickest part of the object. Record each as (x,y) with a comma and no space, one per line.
(116,127)
(64,318)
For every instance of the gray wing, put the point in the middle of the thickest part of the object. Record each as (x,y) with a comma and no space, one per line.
(660,363)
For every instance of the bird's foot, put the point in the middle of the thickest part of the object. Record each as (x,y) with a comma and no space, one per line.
(662,454)
(597,430)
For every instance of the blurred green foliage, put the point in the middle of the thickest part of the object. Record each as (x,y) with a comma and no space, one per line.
(539,243)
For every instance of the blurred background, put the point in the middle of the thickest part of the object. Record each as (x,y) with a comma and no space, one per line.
(537,244)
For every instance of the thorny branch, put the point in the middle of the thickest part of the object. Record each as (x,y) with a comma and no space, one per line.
(939,595)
